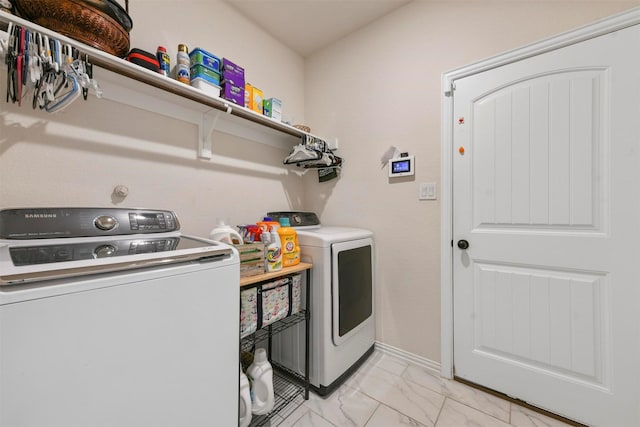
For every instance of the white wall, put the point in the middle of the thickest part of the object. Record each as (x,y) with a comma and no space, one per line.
(77,157)
(381,86)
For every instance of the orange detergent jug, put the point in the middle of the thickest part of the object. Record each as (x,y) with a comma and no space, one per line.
(289,241)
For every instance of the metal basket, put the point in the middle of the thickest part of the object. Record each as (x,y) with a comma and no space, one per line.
(102,24)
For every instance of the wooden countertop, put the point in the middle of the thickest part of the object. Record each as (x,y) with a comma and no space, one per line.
(244,281)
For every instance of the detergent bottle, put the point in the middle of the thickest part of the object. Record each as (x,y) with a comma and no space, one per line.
(273,259)
(261,375)
(245,400)
(289,243)
(226,234)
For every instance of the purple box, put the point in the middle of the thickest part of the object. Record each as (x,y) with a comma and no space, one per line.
(233,93)
(232,73)
(239,82)
(236,81)
(231,67)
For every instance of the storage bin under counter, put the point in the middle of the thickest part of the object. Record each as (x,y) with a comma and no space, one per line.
(267,298)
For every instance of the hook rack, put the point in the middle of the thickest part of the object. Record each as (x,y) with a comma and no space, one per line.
(54,71)
(313,152)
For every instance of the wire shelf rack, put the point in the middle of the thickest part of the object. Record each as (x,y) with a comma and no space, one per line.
(288,396)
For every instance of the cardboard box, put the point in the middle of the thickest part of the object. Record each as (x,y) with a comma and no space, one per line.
(248,92)
(231,68)
(255,101)
(232,73)
(233,93)
(272,107)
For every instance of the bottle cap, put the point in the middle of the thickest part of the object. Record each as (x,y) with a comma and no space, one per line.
(284,222)
(260,355)
(162,49)
(183,48)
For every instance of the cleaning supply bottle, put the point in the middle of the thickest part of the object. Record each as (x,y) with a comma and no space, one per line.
(289,242)
(273,260)
(226,234)
(245,400)
(268,224)
(260,374)
(183,72)
(164,61)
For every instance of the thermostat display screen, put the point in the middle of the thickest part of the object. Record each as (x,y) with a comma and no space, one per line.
(401,166)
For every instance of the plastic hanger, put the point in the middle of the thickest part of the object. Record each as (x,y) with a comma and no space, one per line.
(328,160)
(61,102)
(301,154)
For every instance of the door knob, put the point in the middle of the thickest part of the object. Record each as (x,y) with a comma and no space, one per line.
(463,244)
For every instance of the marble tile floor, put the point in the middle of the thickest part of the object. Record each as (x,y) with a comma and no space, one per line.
(389,392)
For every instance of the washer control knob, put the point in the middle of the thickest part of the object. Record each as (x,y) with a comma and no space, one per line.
(105,222)
(104,251)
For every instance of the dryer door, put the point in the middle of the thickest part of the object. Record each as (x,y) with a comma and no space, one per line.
(351,287)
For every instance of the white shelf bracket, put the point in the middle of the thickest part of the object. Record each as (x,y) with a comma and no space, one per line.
(205,131)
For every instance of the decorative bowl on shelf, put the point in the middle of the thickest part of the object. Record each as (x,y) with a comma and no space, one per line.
(102,24)
(303,128)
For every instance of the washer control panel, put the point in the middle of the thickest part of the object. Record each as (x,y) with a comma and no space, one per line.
(49,223)
(105,222)
(296,218)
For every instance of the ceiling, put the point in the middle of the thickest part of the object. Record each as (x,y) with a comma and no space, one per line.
(309,25)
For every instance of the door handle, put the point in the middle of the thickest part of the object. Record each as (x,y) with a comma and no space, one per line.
(463,244)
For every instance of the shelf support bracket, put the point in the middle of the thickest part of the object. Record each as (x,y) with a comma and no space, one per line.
(204,135)
(205,131)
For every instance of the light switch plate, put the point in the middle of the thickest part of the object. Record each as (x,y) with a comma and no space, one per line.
(427,191)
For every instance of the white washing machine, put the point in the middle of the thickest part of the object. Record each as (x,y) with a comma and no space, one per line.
(112,317)
(342,306)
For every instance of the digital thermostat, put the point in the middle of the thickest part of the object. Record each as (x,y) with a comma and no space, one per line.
(402,166)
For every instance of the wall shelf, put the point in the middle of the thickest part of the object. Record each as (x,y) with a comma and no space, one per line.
(122,81)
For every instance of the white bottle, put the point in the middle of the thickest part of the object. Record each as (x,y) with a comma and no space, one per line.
(273,259)
(226,234)
(245,400)
(183,73)
(261,375)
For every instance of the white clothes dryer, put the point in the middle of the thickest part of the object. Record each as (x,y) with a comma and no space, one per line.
(342,304)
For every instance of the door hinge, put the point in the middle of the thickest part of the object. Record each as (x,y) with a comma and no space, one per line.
(449,92)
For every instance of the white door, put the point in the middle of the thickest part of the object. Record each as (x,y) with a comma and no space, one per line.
(547,195)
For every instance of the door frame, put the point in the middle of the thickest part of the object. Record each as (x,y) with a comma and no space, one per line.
(448,80)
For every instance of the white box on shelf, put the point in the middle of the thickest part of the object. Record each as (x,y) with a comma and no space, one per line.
(205,86)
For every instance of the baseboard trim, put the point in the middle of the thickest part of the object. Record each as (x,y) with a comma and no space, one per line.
(414,359)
